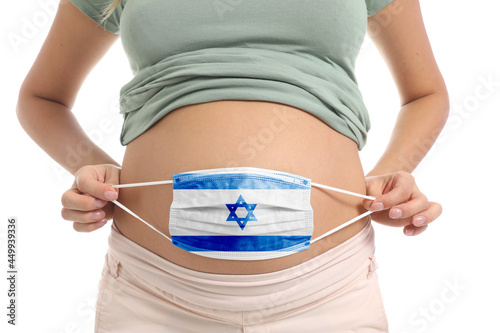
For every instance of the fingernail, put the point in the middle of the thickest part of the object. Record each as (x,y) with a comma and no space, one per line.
(377,206)
(395,213)
(98,215)
(111,195)
(101,223)
(419,220)
(409,231)
(99,203)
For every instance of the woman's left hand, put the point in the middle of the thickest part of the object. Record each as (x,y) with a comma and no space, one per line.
(399,202)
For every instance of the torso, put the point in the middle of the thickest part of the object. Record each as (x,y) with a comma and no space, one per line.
(240,133)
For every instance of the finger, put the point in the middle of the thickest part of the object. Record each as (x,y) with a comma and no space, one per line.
(83,217)
(411,230)
(73,199)
(88,227)
(87,181)
(367,203)
(427,216)
(416,205)
(402,189)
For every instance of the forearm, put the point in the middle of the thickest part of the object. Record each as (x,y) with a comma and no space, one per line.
(55,129)
(417,127)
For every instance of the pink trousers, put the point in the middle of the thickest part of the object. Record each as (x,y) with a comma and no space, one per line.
(337,291)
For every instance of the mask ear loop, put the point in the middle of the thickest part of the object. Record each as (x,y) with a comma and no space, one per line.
(159,182)
(162,182)
(343,225)
(343,191)
(134,214)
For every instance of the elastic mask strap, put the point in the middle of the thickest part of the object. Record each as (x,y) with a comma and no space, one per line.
(343,225)
(162,182)
(134,214)
(343,191)
(137,217)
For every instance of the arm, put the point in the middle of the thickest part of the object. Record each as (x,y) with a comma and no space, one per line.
(402,41)
(74,45)
(404,45)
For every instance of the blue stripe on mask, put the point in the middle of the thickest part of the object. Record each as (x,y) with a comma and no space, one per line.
(242,243)
(197,181)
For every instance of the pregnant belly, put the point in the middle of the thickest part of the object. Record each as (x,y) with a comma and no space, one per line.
(231,134)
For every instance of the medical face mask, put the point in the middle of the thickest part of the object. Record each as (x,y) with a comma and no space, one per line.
(241,213)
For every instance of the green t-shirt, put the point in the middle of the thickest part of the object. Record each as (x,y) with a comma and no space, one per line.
(295,52)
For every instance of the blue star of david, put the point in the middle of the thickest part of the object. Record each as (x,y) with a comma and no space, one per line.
(242,222)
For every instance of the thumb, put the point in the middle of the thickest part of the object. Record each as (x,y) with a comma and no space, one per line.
(374,205)
(90,181)
(367,203)
(401,190)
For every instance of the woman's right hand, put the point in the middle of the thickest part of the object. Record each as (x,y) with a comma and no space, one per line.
(86,203)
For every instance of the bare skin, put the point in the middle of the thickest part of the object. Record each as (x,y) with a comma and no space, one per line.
(196,137)
(202,136)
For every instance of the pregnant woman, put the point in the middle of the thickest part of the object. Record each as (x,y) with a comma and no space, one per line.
(241,204)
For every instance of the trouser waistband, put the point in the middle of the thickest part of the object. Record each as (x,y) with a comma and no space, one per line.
(326,273)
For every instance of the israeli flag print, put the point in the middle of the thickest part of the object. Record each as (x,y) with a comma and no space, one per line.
(241,213)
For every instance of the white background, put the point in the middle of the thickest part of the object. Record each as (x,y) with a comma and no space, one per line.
(59,269)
